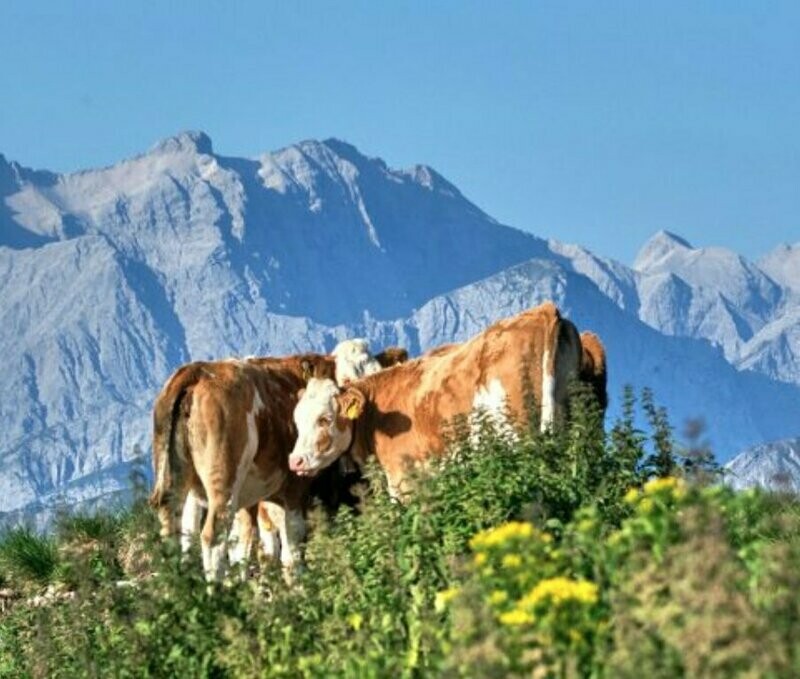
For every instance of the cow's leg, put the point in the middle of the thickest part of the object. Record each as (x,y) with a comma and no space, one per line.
(292,528)
(268,533)
(214,537)
(169,514)
(240,541)
(231,443)
(191,520)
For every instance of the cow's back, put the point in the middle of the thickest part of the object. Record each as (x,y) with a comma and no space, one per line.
(501,369)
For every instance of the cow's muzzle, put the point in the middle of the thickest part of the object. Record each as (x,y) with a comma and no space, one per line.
(299,464)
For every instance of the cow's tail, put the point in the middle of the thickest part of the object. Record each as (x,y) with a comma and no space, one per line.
(561,360)
(594,369)
(169,455)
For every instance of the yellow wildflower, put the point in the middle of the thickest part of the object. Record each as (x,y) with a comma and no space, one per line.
(515,618)
(646,505)
(631,496)
(546,538)
(480,558)
(666,483)
(512,561)
(498,597)
(493,537)
(559,590)
(355,620)
(575,635)
(444,597)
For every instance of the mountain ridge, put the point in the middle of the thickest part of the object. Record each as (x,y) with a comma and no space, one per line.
(115,276)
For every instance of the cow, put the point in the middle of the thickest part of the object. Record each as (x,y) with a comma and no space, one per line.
(594,371)
(225,442)
(399,414)
(222,431)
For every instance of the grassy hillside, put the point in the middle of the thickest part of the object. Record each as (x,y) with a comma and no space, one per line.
(564,555)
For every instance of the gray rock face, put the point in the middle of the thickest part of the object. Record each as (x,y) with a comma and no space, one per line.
(111,278)
(774,466)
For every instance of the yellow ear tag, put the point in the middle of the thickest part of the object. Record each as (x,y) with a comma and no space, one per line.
(352,412)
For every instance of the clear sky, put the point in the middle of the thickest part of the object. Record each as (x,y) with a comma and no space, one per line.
(591,122)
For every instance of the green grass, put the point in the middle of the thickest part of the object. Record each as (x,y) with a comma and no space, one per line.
(27,557)
(99,527)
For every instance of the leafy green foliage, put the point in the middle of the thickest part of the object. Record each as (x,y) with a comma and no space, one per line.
(558,554)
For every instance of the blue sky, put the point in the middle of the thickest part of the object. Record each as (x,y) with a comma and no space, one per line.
(595,123)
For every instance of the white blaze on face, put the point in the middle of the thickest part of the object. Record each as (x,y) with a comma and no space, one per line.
(492,402)
(320,441)
(353,360)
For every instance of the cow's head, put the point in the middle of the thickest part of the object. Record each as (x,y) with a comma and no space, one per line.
(324,418)
(353,360)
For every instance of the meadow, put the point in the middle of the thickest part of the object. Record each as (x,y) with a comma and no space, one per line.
(577,553)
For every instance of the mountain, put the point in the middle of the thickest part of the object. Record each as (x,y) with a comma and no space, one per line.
(774,466)
(783,265)
(113,277)
(749,310)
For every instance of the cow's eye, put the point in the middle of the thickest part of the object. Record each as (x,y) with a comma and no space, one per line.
(324,421)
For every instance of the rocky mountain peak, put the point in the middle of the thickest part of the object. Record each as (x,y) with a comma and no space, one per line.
(190,141)
(658,248)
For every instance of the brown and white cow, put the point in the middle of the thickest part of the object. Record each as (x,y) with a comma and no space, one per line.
(222,431)
(224,441)
(399,415)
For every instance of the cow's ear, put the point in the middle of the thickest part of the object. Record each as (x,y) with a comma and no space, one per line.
(392,356)
(351,403)
(308,371)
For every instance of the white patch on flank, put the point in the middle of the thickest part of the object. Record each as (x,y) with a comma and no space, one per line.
(491,402)
(353,360)
(548,394)
(249,452)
